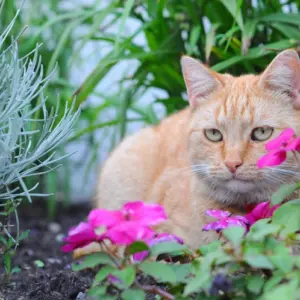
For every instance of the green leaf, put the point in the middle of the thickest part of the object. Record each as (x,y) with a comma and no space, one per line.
(197,283)
(283,263)
(255,284)
(260,229)
(136,247)
(282,17)
(284,192)
(103,273)
(211,247)
(288,215)
(133,294)
(258,261)
(97,291)
(233,6)
(23,235)
(182,271)
(272,282)
(235,235)
(160,271)
(127,276)
(283,291)
(194,36)
(209,41)
(93,260)
(167,248)
(39,263)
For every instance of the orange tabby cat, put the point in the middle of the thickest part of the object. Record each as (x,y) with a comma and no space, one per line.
(204,157)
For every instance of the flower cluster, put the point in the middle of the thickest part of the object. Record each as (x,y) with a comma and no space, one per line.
(277,149)
(226,219)
(133,222)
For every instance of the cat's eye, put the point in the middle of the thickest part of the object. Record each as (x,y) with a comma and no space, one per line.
(214,135)
(261,133)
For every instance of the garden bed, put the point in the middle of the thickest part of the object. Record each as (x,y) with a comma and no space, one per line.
(45,271)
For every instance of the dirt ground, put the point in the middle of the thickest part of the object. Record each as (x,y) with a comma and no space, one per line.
(45,271)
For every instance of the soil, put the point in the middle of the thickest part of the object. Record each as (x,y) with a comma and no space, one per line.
(45,271)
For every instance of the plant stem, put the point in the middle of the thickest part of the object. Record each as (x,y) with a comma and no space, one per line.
(155,290)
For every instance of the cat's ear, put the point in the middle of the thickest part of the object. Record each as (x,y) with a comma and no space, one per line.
(199,80)
(283,75)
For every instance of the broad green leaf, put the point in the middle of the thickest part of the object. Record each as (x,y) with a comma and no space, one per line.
(167,248)
(136,247)
(197,283)
(235,235)
(283,263)
(288,215)
(283,291)
(127,275)
(255,284)
(258,261)
(259,230)
(284,192)
(161,271)
(103,273)
(97,291)
(272,282)
(211,247)
(93,260)
(133,294)
(182,271)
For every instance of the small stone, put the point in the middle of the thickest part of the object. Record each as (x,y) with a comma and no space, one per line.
(54,227)
(60,238)
(81,296)
(52,260)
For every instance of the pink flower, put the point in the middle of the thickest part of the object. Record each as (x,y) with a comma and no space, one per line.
(225,220)
(273,158)
(80,236)
(128,232)
(158,238)
(282,141)
(261,211)
(277,149)
(146,214)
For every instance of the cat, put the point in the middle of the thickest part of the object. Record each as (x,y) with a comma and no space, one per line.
(204,157)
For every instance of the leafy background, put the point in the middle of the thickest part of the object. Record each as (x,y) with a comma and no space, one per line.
(121,61)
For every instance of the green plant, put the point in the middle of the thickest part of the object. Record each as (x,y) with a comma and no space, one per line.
(21,81)
(262,263)
(230,36)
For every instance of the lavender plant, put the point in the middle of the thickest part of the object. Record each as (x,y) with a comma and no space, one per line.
(27,144)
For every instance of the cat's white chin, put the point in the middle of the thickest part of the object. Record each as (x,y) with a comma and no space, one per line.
(240,186)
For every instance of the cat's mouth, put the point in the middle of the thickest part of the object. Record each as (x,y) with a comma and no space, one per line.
(240,185)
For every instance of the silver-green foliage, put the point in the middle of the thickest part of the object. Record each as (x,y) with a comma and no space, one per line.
(26,144)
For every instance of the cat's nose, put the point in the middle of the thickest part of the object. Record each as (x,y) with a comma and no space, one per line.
(233,165)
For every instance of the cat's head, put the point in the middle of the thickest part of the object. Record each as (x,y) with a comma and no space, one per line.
(232,118)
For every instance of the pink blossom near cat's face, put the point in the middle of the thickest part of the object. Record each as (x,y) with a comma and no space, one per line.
(234,108)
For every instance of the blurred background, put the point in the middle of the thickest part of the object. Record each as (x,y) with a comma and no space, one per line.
(120,61)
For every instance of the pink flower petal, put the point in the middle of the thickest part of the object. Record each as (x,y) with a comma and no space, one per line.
(158,238)
(79,236)
(281,141)
(103,217)
(128,232)
(294,145)
(218,214)
(273,158)
(146,213)
(261,211)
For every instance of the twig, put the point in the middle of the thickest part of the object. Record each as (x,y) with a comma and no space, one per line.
(155,290)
